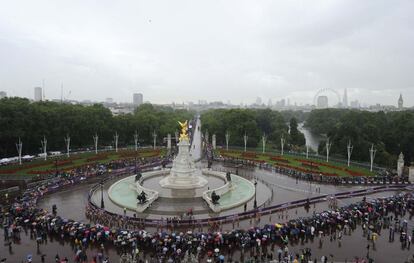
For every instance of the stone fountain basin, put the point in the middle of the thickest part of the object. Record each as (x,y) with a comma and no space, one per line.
(235,193)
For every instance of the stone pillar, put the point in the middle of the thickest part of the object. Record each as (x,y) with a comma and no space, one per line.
(411,173)
(400,165)
(213,141)
(169,141)
(206,136)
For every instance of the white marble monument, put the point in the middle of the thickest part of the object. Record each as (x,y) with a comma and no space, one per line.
(183,173)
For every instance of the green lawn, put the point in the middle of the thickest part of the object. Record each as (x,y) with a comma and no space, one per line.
(295,162)
(76,160)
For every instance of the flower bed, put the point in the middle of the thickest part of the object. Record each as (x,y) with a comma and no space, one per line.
(25,167)
(9,171)
(310,165)
(305,170)
(140,153)
(349,171)
(354,173)
(128,154)
(279,159)
(64,162)
(254,160)
(42,172)
(97,157)
(249,155)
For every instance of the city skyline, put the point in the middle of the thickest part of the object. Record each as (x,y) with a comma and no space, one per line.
(179,53)
(333,100)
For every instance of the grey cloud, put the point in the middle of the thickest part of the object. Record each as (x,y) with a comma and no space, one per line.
(214,50)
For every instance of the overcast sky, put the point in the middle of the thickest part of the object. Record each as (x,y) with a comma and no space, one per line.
(215,50)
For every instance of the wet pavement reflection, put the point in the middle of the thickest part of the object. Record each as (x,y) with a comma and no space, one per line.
(71,204)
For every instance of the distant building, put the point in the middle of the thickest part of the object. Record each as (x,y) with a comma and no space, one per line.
(322,102)
(400,102)
(3,94)
(355,104)
(38,94)
(109,100)
(120,110)
(281,103)
(137,99)
(345,99)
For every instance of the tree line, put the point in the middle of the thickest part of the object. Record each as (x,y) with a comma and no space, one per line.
(254,123)
(31,121)
(390,133)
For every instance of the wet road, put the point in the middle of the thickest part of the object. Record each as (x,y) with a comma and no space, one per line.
(350,246)
(71,203)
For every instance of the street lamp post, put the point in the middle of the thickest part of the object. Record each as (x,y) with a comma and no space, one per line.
(372,152)
(102,200)
(136,140)
(245,138)
(264,143)
(227,135)
(44,145)
(116,137)
(19,147)
(349,149)
(154,135)
(328,149)
(56,167)
(255,194)
(282,144)
(95,140)
(67,142)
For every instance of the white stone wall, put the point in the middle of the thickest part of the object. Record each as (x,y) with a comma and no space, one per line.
(411,174)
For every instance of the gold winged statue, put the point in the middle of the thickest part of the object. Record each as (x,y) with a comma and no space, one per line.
(184,129)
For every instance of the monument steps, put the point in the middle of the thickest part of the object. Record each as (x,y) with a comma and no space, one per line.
(175,206)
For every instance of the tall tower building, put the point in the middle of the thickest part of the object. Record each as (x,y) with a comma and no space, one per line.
(345,99)
(137,99)
(38,94)
(269,103)
(400,102)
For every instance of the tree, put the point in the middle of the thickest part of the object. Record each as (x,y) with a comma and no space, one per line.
(296,137)
(391,133)
(31,121)
(253,123)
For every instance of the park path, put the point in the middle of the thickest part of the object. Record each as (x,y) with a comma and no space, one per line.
(196,145)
